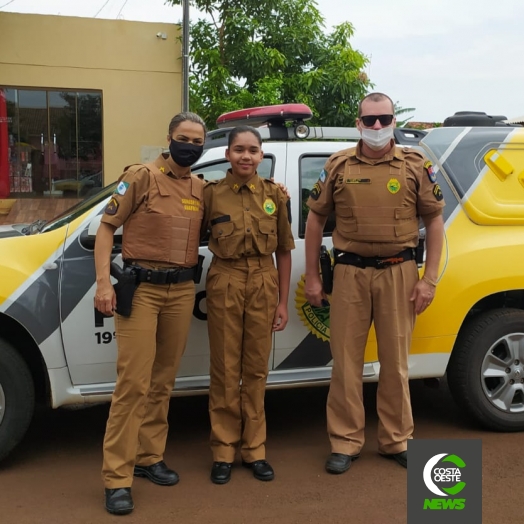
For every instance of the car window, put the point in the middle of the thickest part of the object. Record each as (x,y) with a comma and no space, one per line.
(218,170)
(79,209)
(310,169)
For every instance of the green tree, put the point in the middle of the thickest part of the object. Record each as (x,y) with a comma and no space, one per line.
(402,111)
(247,53)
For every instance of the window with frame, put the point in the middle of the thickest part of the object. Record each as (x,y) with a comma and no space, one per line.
(310,168)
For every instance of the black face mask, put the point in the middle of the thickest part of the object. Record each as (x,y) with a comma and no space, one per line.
(185,154)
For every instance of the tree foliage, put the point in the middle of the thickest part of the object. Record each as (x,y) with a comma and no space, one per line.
(250,53)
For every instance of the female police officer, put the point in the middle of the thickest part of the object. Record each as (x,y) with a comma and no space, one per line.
(160,206)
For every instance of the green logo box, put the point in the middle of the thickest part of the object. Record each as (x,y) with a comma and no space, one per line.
(445,481)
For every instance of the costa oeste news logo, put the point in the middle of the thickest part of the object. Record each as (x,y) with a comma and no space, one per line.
(442,476)
(445,481)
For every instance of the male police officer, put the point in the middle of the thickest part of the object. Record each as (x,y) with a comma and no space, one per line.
(378,192)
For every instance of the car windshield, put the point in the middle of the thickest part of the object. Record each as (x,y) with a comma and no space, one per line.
(78,209)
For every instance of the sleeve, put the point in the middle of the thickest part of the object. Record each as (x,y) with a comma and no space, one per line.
(286,242)
(130,192)
(430,201)
(208,195)
(321,197)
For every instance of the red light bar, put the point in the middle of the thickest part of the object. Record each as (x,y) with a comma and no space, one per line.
(257,116)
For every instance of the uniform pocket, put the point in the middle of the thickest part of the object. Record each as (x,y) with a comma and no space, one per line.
(268,236)
(223,234)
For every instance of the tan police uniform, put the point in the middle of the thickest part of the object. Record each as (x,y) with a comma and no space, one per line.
(162,213)
(249,221)
(377,204)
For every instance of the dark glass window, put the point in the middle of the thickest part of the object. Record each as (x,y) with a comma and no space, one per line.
(50,143)
(310,169)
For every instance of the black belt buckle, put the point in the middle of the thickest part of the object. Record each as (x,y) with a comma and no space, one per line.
(156,276)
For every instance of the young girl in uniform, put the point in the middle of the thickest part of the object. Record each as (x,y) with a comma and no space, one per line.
(249,220)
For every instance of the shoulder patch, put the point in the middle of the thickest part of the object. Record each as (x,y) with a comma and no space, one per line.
(112,207)
(315,192)
(437,192)
(428,166)
(322,176)
(121,188)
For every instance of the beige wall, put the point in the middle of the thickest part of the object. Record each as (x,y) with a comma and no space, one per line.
(139,74)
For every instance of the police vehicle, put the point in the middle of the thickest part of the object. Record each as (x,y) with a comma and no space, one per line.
(54,347)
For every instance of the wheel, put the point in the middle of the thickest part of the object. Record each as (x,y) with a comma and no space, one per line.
(17,398)
(486,369)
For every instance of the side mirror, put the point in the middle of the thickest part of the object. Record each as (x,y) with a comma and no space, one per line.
(88,235)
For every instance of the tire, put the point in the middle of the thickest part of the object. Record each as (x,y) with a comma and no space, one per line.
(486,369)
(17,398)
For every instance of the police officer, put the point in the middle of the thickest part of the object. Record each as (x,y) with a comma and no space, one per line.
(249,220)
(160,206)
(377,191)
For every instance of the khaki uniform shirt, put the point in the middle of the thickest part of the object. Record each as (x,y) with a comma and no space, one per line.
(246,218)
(131,196)
(377,202)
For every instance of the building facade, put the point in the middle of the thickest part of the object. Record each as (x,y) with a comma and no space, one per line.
(80,99)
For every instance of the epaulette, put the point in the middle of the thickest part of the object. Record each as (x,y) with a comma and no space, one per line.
(411,150)
(210,182)
(268,180)
(133,168)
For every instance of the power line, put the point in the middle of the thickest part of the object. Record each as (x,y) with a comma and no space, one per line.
(11,1)
(125,2)
(98,12)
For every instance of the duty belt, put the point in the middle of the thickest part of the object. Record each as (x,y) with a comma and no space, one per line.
(341,257)
(164,276)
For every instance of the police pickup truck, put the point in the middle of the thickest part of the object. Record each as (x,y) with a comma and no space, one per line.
(55,348)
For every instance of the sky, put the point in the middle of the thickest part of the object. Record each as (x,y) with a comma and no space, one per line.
(436,56)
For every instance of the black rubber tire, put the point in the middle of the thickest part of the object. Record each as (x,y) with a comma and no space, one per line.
(464,368)
(18,389)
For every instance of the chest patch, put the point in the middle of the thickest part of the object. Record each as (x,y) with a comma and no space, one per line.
(269,206)
(358,180)
(393,186)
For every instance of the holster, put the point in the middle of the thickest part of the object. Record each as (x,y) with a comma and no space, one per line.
(419,250)
(198,269)
(125,288)
(326,270)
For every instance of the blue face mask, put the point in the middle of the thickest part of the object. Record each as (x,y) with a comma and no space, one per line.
(184,153)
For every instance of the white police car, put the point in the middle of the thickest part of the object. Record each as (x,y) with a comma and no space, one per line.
(55,347)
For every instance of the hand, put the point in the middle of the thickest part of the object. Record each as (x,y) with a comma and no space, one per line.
(422,296)
(105,298)
(281,317)
(314,292)
(284,188)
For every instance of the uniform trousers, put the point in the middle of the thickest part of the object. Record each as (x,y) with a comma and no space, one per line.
(241,297)
(150,344)
(360,297)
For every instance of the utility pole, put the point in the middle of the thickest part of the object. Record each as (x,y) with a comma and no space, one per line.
(185,55)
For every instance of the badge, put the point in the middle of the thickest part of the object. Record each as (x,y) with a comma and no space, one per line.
(269,206)
(437,192)
(112,207)
(121,188)
(252,187)
(162,168)
(235,186)
(315,192)
(322,176)
(431,173)
(393,186)
(358,180)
